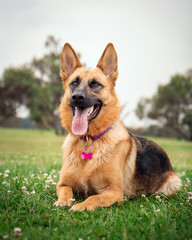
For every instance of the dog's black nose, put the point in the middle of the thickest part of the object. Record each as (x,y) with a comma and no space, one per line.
(78,96)
(78,99)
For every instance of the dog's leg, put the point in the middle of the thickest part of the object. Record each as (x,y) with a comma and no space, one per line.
(65,195)
(104,199)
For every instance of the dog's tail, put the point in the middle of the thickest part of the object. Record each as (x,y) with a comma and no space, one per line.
(171,184)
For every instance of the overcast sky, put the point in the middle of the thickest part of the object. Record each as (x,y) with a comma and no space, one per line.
(153,38)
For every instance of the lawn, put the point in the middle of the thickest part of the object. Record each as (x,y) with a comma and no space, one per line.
(29,168)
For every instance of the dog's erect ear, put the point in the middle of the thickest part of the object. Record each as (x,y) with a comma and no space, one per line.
(108,62)
(69,61)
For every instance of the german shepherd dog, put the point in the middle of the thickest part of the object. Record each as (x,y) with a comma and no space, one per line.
(100,157)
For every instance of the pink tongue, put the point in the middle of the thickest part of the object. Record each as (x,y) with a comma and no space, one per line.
(80,122)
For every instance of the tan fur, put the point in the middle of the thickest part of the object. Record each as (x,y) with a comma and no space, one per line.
(171,185)
(111,172)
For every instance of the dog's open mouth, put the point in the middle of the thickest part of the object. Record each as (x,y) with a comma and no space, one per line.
(93,112)
(82,116)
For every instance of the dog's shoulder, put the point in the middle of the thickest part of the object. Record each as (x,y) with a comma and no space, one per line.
(150,158)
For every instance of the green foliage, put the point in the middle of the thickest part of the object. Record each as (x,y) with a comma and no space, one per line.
(16,86)
(171,105)
(142,108)
(44,103)
(34,159)
(38,87)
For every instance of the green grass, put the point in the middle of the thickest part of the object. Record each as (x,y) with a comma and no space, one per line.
(34,159)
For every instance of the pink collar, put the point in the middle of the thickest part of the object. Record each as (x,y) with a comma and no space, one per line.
(96,136)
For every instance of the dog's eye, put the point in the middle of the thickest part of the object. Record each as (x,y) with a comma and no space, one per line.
(75,83)
(94,84)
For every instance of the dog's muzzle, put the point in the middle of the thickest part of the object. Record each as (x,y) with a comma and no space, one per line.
(84,108)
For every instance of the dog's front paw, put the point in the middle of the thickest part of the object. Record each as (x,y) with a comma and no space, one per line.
(59,203)
(82,206)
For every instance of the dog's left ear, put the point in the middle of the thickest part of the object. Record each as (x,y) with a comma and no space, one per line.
(69,61)
(108,62)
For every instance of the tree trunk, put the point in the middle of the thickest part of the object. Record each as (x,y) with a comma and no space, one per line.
(190,133)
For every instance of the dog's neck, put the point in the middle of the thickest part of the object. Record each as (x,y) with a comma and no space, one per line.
(85,138)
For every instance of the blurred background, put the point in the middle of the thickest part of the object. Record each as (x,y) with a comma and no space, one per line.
(153,40)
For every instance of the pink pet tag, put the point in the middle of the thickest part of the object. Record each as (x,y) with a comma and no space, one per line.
(86,155)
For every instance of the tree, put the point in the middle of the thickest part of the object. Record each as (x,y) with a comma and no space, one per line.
(16,86)
(38,87)
(46,98)
(187,120)
(171,105)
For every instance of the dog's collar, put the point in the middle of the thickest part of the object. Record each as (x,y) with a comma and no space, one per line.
(85,138)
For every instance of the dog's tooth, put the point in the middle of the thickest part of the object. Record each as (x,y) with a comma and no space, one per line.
(90,110)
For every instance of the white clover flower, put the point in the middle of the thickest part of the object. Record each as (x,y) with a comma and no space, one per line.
(9,191)
(25,181)
(23,189)
(5,236)
(158,210)
(188,180)
(54,176)
(1,173)
(33,192)
(53,171)
(46,186)
(7,171)
(54,183)
(17,232)
(17,229)
(32,175)
(72,199)
(4,183)
(143,195)
(45,175)
(6,175)
(50,181)
(15,178)
(158,198)
(47,182)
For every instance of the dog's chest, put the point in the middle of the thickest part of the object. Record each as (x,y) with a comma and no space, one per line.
(87,177)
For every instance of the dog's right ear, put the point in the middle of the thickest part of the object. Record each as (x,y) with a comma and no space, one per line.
(108,62)
(69,61)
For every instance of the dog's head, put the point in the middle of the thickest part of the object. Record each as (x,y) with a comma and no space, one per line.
(90,104)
